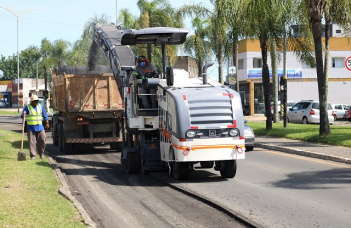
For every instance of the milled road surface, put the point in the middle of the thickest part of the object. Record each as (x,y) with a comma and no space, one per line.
(272,189)
(113,198)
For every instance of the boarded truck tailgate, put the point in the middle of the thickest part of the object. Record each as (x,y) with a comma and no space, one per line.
(86,93)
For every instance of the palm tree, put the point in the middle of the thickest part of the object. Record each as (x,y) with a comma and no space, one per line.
(156,13)
(197,45)
(265,22)
(59,51)
(312,12)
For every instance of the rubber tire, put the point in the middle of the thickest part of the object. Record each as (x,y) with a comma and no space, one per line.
(180,170)
(249,148)
(67,148)
(143,171)
(229,169)
(207,164)
(304,120)
(335,118)
(116,146)
(55,141)
(60,134)
(132,163)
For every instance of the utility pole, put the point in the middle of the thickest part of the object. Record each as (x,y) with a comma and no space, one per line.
(116,14)
(18,15)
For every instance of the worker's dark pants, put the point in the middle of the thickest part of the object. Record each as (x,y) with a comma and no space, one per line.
(143,90)
(36,141)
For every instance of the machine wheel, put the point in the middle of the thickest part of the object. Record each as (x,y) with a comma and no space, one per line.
(229,169)
(60,134)
(180,170)
(55,141)
(304,120)
(132,163)
(143,171)
(334,117)
(207,164)
(249,148)
(116,146)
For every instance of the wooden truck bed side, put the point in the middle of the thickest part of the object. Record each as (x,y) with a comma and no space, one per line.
(86,93)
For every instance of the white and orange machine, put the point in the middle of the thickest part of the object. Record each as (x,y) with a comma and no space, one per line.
(197,120)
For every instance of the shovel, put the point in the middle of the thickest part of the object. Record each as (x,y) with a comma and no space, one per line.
(22,155)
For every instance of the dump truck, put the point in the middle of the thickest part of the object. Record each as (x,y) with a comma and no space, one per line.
(87,108)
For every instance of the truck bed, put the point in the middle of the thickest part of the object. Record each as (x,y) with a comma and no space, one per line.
(96,92)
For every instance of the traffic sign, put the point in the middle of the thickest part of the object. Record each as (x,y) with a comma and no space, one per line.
(348,63)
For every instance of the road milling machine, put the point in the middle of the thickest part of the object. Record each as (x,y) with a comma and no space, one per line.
(197,120)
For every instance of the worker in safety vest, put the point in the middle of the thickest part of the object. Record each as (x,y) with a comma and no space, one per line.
(35,114)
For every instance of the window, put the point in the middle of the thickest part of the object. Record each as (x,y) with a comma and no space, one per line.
(338,62)
(189,69)
(257,63)
(306,65)
(240,64)
(338,31)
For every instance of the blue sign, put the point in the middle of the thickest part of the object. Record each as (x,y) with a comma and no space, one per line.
(291,73)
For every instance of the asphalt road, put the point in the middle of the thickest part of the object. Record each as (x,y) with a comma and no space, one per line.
(271,189)
(114,199)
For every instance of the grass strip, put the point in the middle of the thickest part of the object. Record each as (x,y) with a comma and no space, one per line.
(29,190)
(340,135)
(11,113)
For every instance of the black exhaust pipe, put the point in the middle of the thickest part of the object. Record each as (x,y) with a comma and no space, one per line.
(204,71)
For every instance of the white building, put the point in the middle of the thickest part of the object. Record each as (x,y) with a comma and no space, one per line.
(302,79)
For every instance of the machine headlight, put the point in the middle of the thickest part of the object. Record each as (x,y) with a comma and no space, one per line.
(249,132)
(234,132)
(190,134)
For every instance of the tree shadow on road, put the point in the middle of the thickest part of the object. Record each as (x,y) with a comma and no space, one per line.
(326,179)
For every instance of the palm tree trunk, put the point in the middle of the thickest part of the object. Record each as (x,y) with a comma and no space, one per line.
(199,67)
(236,63)
(45,78)
(324,128)
(149,52)
(220,62)
(274,79)
(265,80)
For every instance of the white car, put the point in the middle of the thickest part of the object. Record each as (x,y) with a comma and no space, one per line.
(3,104)
(307,111)
(249,137)
(340,110)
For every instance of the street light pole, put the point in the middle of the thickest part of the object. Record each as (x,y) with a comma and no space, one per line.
(18,15)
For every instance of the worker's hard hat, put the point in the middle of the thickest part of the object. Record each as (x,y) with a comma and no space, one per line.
(34,98)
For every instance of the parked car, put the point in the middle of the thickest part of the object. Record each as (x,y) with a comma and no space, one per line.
(307,111)
(249,137)
(3,104)
(340,110)
(348,114)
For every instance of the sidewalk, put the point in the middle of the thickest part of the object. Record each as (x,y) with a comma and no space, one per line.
(321,151)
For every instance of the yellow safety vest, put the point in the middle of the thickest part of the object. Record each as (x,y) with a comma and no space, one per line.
(34,117)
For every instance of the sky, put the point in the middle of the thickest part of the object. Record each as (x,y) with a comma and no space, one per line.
(63,19)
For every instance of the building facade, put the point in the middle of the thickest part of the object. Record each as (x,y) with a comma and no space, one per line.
(187,63)
(302,79)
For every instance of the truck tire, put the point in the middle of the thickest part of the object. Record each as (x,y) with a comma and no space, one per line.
(249,148)
(60,134)
(229,169)
(207,164)
(132,163)
(67,147)
(116,146)
(55,140)
(143,171)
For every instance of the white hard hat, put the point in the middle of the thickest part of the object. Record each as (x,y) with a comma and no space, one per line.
(34,98)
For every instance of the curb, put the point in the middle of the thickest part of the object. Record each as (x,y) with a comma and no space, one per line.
(304,153)
(64,191)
